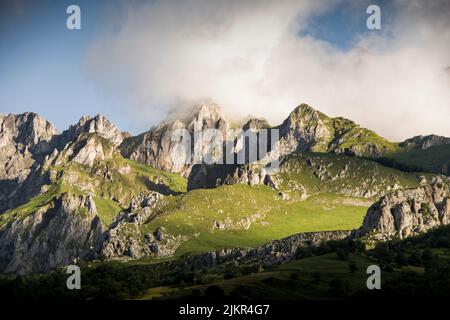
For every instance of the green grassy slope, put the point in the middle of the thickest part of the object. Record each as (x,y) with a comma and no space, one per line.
(347,135)
(317,192)
(412,267)
(338,189)
(326,172)
(112,182)
(194,214)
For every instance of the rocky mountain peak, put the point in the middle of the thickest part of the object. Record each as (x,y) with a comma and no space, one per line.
(157,148)
(90,149)
(207,116)
(425,142)
(23,137)
(303,110)
(98,124)
(208,111)
(25,130)
(303,129)
(69,218)
(255,124)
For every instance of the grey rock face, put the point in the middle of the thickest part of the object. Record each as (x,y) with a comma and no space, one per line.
(140,210)
(425,142)
(255,124)
(55,235)
(91,150)
(211,176)
(27,140)
(302,130)
(24,140)
(158,148)
(99,124)
(407,212)
(124,239)
(306,129)
(272,253)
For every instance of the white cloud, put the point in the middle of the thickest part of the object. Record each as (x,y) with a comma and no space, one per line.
(247,57)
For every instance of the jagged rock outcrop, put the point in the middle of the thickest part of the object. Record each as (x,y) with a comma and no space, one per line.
(89,150)
(404,213)
(272,253)
(55,235)
(156,148)
(98,124)
(162,148)
(28,141)
(425,142)
(25,139)
(255,124)
(141,209)
(304,129)
(307,129)
(211,176)
(125,240)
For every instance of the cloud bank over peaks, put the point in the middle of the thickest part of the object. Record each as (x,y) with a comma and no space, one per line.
(248,57)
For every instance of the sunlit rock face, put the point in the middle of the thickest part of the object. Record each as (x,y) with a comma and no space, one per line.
(99,124)
(162,147)
(405,213)
(24,141)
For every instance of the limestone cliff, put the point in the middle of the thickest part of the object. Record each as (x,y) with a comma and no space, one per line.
(57,234)
(425,142)
(162,148)
(24,141)
(98,124)
(408,212)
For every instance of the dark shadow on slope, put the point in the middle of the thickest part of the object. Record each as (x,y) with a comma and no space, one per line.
(160,187)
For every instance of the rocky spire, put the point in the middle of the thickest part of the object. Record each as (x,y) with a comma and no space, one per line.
(24,141)
(22,137)
(98,124)
(156,147)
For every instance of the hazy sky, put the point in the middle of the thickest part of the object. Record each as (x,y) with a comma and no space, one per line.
(134,61)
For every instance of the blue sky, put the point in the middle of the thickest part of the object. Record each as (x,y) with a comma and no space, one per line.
(343,24)
(43,66)
(42,63)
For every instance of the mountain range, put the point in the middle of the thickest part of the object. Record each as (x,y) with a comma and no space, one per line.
(94,192)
